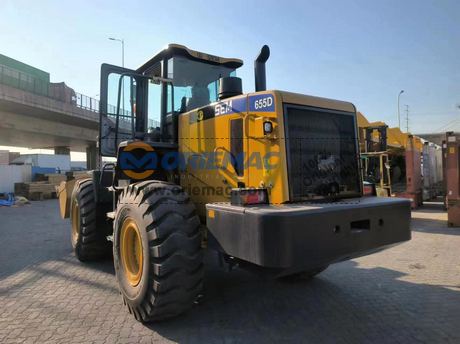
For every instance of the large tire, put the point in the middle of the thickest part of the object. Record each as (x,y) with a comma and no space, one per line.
(88,240)
(157,220)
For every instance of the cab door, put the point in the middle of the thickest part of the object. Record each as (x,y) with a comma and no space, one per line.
(122,107)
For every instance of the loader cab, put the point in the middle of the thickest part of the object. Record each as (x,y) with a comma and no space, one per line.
(145,103)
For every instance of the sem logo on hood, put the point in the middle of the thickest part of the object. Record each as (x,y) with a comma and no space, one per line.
(140,165)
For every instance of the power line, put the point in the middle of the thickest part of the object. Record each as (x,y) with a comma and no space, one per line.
(424,120)
(407,118)
(447,124)
(452,127)
(419,114)
(435,112)
(445,127)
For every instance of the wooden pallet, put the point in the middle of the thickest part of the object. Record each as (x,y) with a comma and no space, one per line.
(54,178)
(36,190)
(78,174)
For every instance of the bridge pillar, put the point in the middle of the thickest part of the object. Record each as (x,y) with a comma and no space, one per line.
(92,158)
(61,151)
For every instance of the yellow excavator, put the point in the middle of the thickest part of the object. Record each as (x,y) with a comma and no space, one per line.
(270,180)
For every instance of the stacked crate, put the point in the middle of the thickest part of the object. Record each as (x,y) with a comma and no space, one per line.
(78,174)
(36,191)
(54,178)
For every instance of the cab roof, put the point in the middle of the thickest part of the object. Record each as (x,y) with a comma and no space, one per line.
(180,50)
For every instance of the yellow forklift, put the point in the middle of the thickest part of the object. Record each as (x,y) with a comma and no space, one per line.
(376,163)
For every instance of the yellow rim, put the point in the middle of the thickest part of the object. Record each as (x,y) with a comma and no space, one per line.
(75,220)
(131,251)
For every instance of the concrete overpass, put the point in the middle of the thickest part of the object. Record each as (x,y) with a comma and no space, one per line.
(33,121)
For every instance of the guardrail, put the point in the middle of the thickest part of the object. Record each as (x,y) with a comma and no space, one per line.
(86,102)
(59,91)
(22,81)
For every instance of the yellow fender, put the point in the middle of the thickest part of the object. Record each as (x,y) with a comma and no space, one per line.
(65,192)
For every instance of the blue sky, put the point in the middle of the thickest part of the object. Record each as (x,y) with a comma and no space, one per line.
(360,51)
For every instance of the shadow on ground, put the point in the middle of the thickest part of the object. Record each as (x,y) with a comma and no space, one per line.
(33,235)
(432,218)
(345,302)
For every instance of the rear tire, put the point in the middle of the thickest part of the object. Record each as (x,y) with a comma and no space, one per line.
(89,242)
(162,275)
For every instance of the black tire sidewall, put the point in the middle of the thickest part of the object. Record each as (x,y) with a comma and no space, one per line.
(74,199)
(133,295)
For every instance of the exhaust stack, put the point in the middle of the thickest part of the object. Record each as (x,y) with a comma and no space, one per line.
(259,68)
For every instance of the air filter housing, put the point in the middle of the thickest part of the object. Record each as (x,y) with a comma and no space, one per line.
(230,86)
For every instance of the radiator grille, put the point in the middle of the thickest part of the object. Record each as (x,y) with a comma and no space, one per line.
(322,154)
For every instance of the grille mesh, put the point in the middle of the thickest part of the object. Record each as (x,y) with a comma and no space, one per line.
(322,154)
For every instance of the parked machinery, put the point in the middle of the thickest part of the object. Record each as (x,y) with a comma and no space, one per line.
(376,166)
(430,177)
(413,172)
(404,160)
(439,170)
(452,178)
(444,172)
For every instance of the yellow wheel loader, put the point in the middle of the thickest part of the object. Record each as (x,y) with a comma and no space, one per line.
(270,180)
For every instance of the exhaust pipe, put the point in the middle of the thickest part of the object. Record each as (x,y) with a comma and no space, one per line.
(259,68)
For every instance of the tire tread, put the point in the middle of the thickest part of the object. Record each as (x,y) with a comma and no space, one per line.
(174,233)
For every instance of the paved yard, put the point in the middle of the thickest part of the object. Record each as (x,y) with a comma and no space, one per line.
(408,294)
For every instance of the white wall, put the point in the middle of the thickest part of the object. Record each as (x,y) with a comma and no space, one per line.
(10,174)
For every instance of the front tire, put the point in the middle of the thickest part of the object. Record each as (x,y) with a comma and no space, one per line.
(157,250)
(88,241)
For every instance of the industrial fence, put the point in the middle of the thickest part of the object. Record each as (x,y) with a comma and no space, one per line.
(86,102)
(11,174)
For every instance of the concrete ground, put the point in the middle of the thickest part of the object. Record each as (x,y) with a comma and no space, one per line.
(407,294)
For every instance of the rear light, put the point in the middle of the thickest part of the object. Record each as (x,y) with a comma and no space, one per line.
(254,197)
(249,196)
(369,189)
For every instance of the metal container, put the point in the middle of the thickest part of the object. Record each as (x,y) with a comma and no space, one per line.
(453,184)
(24,68)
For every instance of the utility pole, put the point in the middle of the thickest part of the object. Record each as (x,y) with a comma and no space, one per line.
(399,119)
(407,118)
(122,41)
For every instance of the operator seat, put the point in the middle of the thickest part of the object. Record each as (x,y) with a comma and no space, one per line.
(200,97)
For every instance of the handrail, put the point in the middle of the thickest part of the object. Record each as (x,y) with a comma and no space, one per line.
(246,131)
